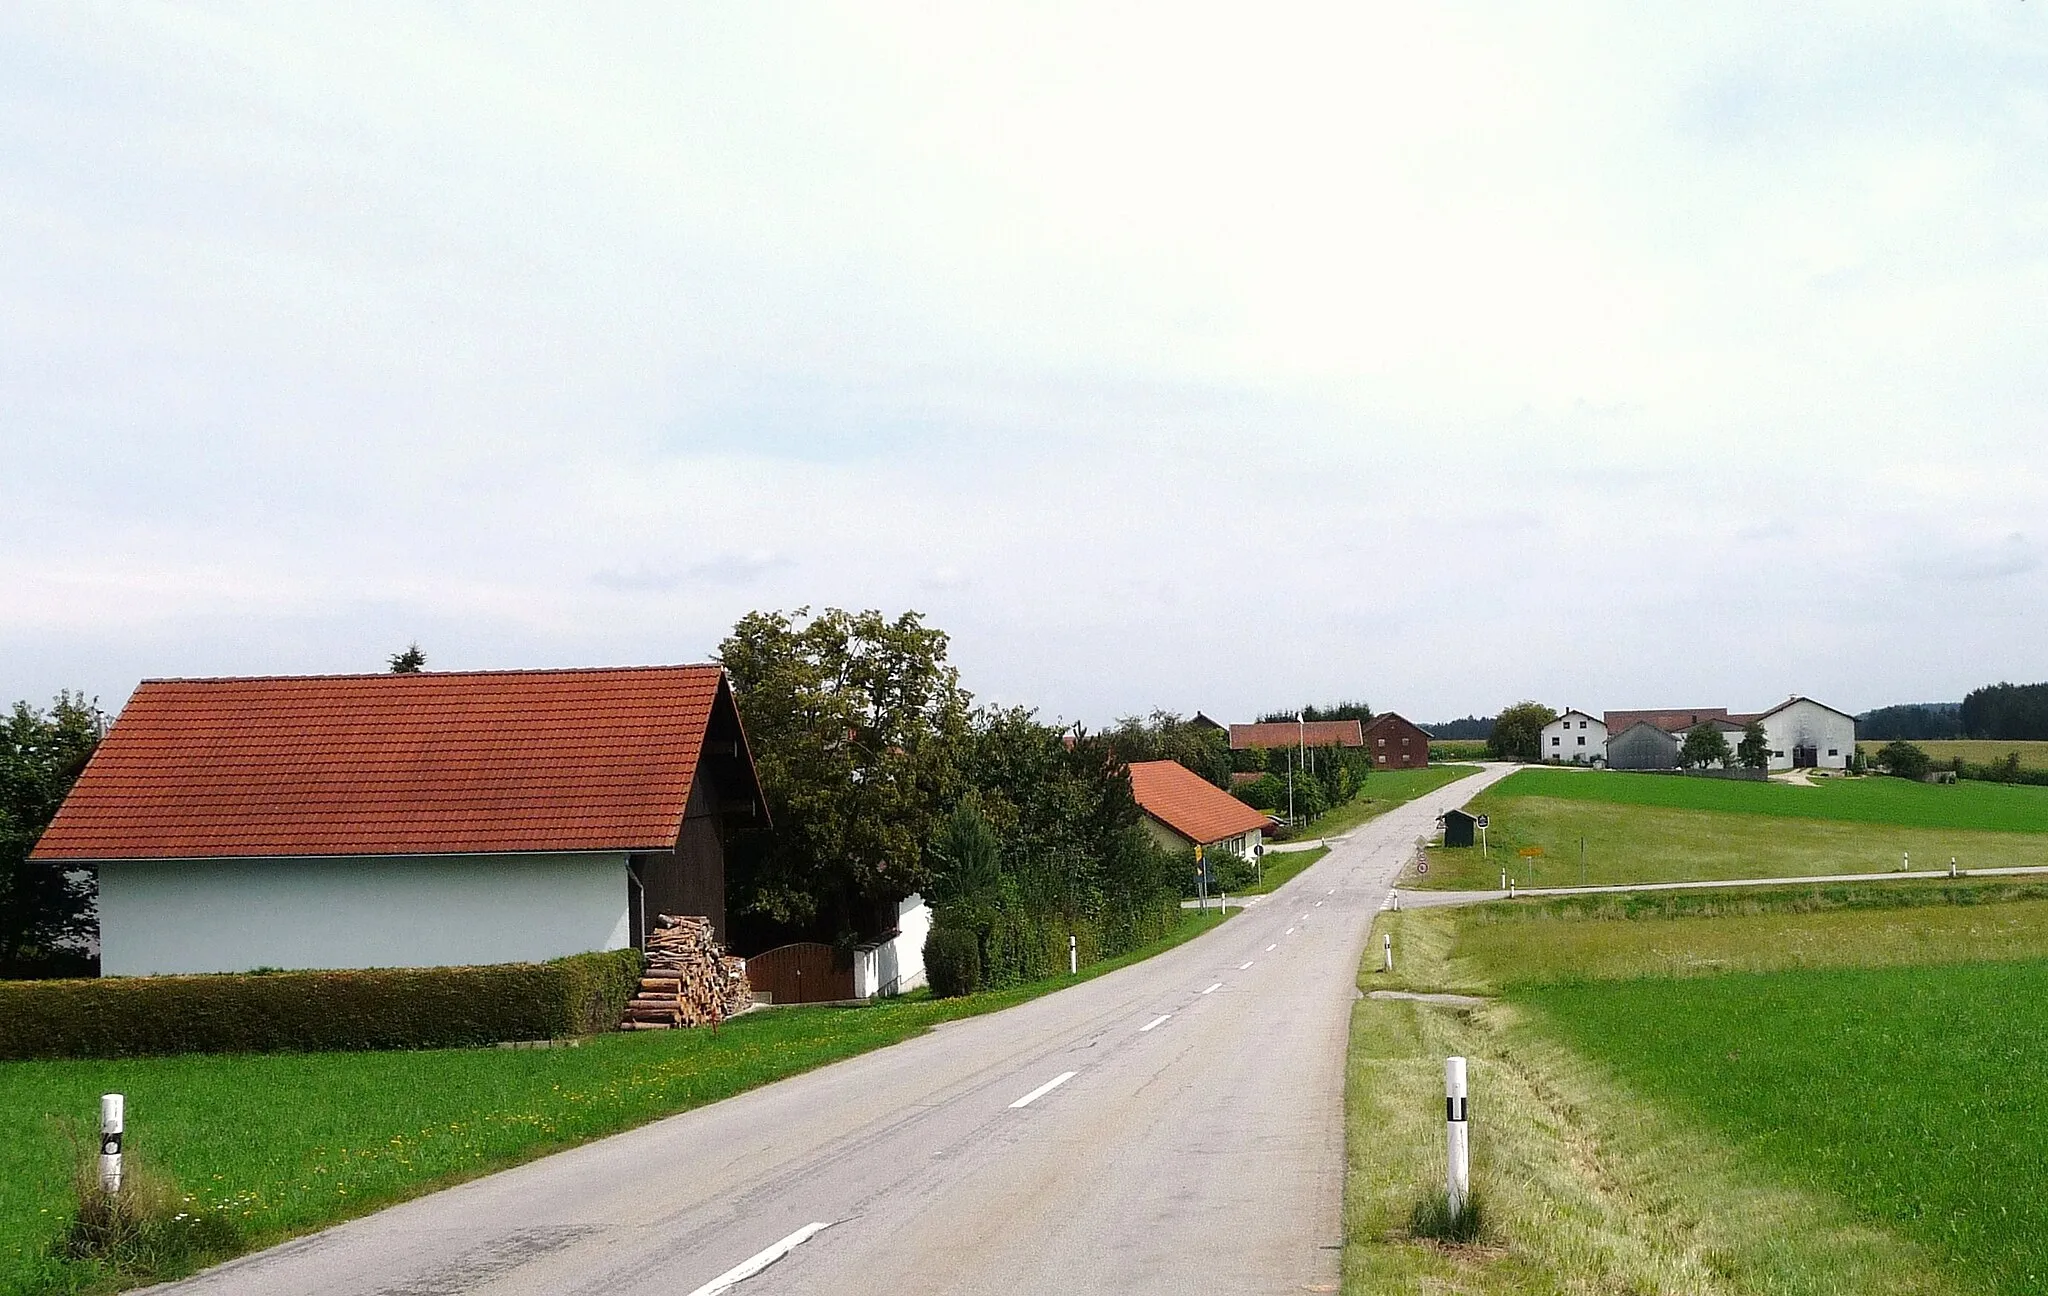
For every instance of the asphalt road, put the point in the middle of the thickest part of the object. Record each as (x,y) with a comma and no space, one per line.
(1176,1126)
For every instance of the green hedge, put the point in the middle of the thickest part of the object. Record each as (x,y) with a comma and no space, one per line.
(274,1012)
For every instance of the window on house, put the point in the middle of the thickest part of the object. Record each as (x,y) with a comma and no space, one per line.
(1383,758)
(1582,742)
(1556,742)
(1383,742)
(1833,752)
(1777,755)
(1404,742)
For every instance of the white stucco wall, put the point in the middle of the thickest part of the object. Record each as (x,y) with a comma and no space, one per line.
(230,915)
(1562,739)
(1808,724)
(897,965)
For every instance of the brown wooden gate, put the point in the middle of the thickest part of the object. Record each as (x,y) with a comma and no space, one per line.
(806,972)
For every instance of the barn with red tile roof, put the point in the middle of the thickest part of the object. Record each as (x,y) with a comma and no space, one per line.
(1184,809)
(406,820)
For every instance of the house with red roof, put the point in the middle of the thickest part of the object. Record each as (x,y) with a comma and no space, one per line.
(1183,809)
(418,820)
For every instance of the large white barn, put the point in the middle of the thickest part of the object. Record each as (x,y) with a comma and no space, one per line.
(1800,734)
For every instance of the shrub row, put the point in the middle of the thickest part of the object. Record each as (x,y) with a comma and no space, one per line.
(376,1008)
(2007,771)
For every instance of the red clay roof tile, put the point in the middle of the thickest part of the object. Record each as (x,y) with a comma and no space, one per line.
(434,763)
(1190,804)
(1288,733)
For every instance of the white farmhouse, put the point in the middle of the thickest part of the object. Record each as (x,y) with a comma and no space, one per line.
(1575,738)
(1799,733)
(406,820)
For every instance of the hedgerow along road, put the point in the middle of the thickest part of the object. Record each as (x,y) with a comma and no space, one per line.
(1177,1125)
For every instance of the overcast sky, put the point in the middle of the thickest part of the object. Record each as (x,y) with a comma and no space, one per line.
(1614,356)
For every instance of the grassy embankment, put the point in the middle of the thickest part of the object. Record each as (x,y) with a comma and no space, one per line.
(285,1143)
(1382,791)
(1826,1097)
(1974,751)
(1659,828)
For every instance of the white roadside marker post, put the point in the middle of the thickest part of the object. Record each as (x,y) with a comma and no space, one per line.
(1905,861)
(1458,1176)
(1073,957)
(1951,866)
(1511,888)
(1389,939)
(113,1112)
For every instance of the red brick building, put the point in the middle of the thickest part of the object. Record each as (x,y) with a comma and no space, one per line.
(1396,743)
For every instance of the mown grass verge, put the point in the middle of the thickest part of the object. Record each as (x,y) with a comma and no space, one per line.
(280,1144)
(1987,807)
(1588,1188)
(1836,1093)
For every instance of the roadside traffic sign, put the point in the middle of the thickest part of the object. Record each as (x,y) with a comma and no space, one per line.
(1482,821)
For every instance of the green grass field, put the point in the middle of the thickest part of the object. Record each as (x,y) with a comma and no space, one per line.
(1618,1148)
(279,1144)
(1457,749)
(1488,949)
(1913,1094)
(1986,807)
(1384,790)
(1976,751)
(1636,843)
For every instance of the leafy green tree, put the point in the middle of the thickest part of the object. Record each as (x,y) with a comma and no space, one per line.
(410,662)
(1165,736)
(1518,732)
(1347,710)
(45,908)
(1904,759)
(1754,751)
(858,726)
(1704,745)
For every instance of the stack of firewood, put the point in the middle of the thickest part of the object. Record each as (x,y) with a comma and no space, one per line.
(687,980)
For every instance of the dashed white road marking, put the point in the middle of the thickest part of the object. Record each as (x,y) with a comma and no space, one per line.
(754,1264)
(1160,1020)
(1288,932)
(1214,988)
(1272,947)
(1319,904)
(1247,963)
(1043,1090)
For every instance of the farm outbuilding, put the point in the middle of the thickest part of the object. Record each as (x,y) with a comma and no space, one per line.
(417,820)
(1459,827)
(1396,743)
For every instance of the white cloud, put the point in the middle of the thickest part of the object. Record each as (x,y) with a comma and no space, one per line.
(1167,356)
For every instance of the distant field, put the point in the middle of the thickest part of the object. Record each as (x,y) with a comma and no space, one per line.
(1975,751)
(1991,807)
(1383,790)
(1492,947)
(1457,749)
(1912,1094)
(1638,843)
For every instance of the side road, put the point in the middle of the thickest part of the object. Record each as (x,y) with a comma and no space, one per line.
(1441,899)
(1108,1137)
